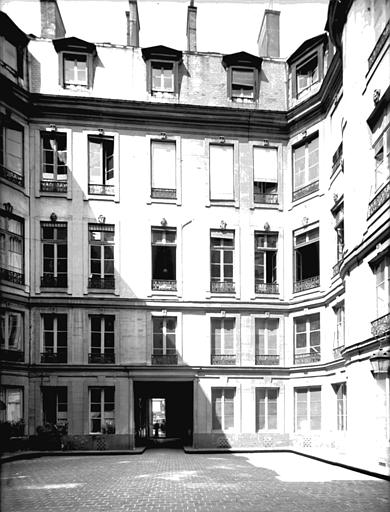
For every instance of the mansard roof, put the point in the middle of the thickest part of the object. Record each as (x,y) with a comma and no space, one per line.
(11,31)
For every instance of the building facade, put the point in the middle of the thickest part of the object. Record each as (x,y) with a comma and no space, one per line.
(208,230)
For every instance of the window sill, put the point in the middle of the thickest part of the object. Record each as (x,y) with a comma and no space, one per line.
(53,289)
(217,202)
(382,195)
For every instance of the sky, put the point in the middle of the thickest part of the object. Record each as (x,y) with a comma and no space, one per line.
(223,26)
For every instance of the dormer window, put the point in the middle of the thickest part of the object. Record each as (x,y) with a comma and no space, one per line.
(75,62)
(243,76)
(12,49)
(162,69)
(307,74)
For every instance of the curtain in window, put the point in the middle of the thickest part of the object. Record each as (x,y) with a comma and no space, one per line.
(14,404)
(221,172)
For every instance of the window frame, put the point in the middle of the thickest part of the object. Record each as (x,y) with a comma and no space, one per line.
(305,283)
(104,351)
(12,175)
(318,53)
(310,418)
(103,279)
(228,197)
(54,184)
(231,82)
(110,429)
(163,192)
(267,334)
(7,273)
(382,147)
(263,285)
(54,279)
(313,352)
(61,419)
(220,353)
(222,284)
(165,350)
(7,330)
(267,391)
(340,390)
(4,392)
(265,192)
(107,144)
(221,426)
(309,186)
(59,352)
(384,285)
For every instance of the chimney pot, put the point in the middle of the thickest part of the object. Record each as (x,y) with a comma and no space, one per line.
(52,26)
(191,27)
(133,25)
(269,35)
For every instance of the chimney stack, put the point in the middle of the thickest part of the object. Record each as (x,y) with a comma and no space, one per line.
(133,26)
(268,40)
(52,26)
(191,27)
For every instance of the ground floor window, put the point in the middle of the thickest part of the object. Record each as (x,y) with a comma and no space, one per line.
(11,409)
(55,406)
(341,400)
(266,408)
(308,408)
(102,410)
(223,408)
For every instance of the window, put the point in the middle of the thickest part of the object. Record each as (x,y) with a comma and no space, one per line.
(12,398)
(341,401)
(75,62)
(382,159)
(307,260)
(307,74)
(266,262)
(221,172)
(266,340)
(101,247)
(223,349)
(308,408)
(243,76)
(11,336)
(222,400)
(164,340)
(12,49)
(54,338)
(265,175)
(382,274)
(307,339)
(306,168)
(54,162)
(101,165)
(162,68)
(11,153)
(55,254)
(162,77)
(222,261)
(243,83)
(164,259)
(340,330)
(163,169)
(266,408)
(55,407)
(102,410)
(102,339)
(11,248)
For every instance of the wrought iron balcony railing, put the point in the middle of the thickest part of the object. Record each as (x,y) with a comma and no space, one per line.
(11,176)
(379,200)
(54,357)
(267,359)
(163,193)
(102,283)
(379,45)
(12,355)
(267,288)
(164,285)
(50,281)
(337,351)
(54,186)
(265,198)
(226,359)
(10,275)
(381,325)
(222,287)
(305,191)
(98,358)
(309,357)
(102,190)
(306,284)
(164,359)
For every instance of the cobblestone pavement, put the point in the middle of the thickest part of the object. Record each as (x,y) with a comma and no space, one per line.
(170,480)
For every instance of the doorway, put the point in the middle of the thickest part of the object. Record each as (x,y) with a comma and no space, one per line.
(163,413)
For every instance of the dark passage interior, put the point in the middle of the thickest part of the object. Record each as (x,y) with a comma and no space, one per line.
(163,413)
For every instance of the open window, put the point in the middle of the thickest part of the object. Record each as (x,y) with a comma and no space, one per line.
(307,259)
(164,259)
(101,165)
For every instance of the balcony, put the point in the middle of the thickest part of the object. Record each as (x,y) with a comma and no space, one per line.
(164,285)
(266,288)
(337,351)
(337,159)
(54,357)
(222,287)
(379,45)
(161,359)
(98,358)
(309,357)
(265,198)
(54,186)
(163,193)
(226,359)
(50,281)
(11,276)
(306,284)
(102,283)
(381,325)
(305,191)
(379,200)
(101,190)
(12,355)
(267,359)
(11,176)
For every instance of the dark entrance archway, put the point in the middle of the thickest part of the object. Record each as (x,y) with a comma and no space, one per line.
(178,412)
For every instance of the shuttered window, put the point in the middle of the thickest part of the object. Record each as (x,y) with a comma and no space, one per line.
(221,172)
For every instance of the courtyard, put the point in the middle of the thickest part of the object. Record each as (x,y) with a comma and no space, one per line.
(171,480)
